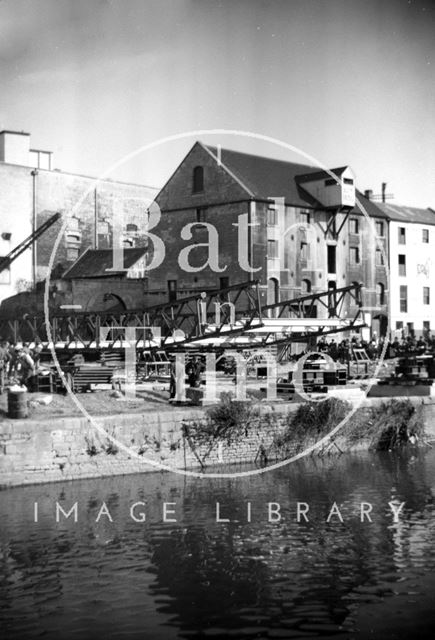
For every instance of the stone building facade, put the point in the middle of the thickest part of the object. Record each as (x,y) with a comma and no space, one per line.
(296,229)
(93,212)
(412,263)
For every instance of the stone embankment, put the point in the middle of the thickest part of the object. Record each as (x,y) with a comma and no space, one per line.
(33,452)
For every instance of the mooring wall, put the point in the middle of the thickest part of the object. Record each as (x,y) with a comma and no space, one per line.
(33,451)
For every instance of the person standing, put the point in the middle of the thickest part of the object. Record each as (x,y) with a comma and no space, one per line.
(25,368)
(4,363)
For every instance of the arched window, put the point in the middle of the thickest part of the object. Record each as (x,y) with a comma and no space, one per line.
(198,179)
(73,238)
(380,293)
(306,286)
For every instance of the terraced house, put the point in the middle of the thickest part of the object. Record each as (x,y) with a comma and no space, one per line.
(412,269)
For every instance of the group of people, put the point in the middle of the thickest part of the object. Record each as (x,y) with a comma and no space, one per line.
(19,364)
(413,345)
(343,351)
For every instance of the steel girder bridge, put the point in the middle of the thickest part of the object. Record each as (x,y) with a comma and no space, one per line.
(210,320)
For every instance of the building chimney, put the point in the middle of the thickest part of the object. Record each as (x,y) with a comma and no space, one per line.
(15,149)
(368,193)
(384,188)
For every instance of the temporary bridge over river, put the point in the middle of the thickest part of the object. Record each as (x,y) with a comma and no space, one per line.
(213,320)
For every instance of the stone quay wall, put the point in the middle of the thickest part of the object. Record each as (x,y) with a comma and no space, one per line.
(33,452)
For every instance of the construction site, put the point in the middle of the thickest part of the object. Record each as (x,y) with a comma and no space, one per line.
(190,350)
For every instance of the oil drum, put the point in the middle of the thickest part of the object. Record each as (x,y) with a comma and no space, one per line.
(17,403)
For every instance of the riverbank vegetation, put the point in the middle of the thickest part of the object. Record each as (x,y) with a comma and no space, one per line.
(308,424)
(386,426)
(389,425)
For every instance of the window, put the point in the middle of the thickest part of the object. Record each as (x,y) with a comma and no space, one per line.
(331,256)
(425,235)
(272,249)
(426,295)
(73,223)
(305,217)
(103,227)
(403,298)
(201,215)
(426,327)
(224,282)
(73,243)
(304,251)
(198,180)
(399,325)
(402,235)
(380,294)
(272,217)
(379,258)
(354,225)
(332,297)
(172,290)
(286,258)
(72,253)
(380,229)
(410,328)
(306,286)
(332,225)
(348,181)
(354,255)
(73,238)
(131,228)
(402,264)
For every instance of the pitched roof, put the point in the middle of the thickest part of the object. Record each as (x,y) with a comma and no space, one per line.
(402,213)
(272,178)
(319,175)
(95,263)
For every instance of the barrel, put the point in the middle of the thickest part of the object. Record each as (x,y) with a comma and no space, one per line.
(17,403)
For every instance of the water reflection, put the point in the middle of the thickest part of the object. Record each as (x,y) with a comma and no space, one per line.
(195,577)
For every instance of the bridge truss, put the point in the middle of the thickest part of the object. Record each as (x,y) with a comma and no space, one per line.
(194,322)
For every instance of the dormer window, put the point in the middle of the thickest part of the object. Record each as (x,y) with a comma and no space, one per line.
(198,180)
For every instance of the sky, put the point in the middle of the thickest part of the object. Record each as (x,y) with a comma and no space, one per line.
(348,82)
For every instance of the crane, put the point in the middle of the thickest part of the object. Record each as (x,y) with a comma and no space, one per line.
(6,261)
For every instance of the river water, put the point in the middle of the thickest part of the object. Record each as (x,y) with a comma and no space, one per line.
(199,578)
